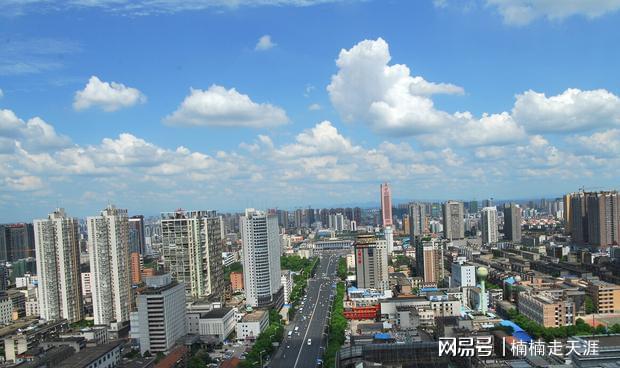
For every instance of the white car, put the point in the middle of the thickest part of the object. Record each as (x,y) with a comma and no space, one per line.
(309,341)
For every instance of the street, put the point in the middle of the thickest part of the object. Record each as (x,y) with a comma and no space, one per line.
(310,320)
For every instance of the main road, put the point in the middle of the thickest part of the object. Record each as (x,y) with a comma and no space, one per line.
(308,338)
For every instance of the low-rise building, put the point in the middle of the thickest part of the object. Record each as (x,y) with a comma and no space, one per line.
(252,324)
(218,322)
(287,284)
(543,309)
(102,356)
(606,296)
(236,281)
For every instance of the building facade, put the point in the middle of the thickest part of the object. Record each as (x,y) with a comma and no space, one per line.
(546,310)
(386,205)
(192,251)
(58,267)
(488,221)
(453,220)
(261,259)
(371,263)
(108,250)
(512,222)
(160,320)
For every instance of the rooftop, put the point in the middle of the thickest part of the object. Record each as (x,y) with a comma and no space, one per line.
(88,355)
(255,316)
(216,313)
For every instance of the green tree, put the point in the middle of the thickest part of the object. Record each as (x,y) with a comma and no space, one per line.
(589,305)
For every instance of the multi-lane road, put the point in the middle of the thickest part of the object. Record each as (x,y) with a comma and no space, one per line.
(310,320)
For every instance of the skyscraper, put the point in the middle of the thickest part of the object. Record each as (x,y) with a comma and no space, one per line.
(429,261)
(371,263)
(58,267)
(16,242)
(386,204)
(261,259)
(579,220)
(567,213)
(512,222)
(192,251)
(136,234)
(108,250)
(603,217)
(417,219)
(489,225)
(453,225)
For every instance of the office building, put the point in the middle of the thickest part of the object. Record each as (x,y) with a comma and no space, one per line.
(261,259)
(371,263)
(108,250)
(16,242)
(219,322)
(192,251)
(58,267)
(453,224)
(512,222)
(462,275)
(489,225)
(386,205)
(136,234)
(160,320)
(252,324)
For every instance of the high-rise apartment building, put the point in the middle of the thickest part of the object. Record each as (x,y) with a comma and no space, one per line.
(108,250)
(371,263)
(595,218)
(386,205)
(58,267)
(512,222)
(261,259)
(16,242)
(429,261)
(417,219)
(160,321)
(453,223)
(488,222)
(567,213)
(192,251)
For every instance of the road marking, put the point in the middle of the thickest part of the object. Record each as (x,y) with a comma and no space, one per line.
(318,295)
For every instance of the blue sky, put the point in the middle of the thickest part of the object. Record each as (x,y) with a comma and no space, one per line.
(160,105)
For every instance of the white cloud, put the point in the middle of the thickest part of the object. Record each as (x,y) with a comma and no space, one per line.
(26,183)
(521,12)
(219,106)
(603,144)
(489,130)
(109,96)
(314,107)
(34,134)
(385,96)
(571,111)
(264,43)
(321,139)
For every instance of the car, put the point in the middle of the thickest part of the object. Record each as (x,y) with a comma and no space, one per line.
(309,341)
(290,333)
(296,328)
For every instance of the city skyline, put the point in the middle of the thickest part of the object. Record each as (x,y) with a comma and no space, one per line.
(273,115)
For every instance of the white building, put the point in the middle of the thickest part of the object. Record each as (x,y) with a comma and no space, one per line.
(463,275)
(389,239)
(489,225)
(32,308)
(192,251)
(108,249)
(24,281)
(261,259)
(287,285)
(58,267)
(6,310)
(160,320)
(86,284)
(228,258)
(371,263)
(252,324)
(218,322)
(336,221)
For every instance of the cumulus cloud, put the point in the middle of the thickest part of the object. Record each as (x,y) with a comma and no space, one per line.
(603,144)
(26,183)
(109,96)
(314,107)
(521,12)
(34,134)
(219,106)
(366,88)
(571,111)
(264,43)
